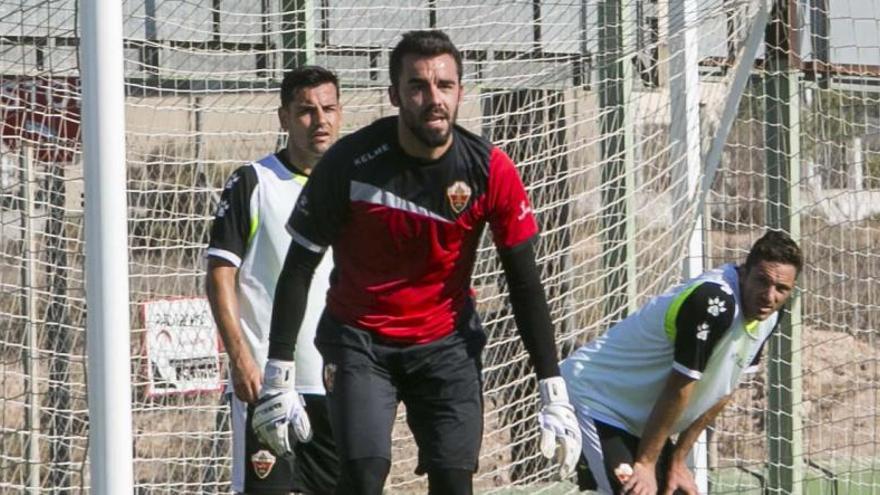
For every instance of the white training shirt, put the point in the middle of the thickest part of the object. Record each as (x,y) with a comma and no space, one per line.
(249,231)
(696,329)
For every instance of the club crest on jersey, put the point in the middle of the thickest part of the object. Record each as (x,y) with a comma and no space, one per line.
(263,461)
(329,376)
(458,193)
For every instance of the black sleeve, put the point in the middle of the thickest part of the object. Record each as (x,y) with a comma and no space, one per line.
(323,205)
(701,319)
(530,307)
(230,231)
(291,296)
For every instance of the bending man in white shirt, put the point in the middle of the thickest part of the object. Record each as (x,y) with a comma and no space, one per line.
(671,367)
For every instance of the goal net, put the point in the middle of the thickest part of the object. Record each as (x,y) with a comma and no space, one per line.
(652,135)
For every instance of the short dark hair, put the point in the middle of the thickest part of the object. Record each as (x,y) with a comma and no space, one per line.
(307,76)
(775,246)
(423,43)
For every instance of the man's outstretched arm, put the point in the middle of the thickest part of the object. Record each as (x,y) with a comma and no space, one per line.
(669,406)
(220,282)
(530,309)
(280,407)
(229,243)
(291,296)
(557,419)
(679,476)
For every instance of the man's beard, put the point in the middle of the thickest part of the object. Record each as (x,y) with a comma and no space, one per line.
(416,125)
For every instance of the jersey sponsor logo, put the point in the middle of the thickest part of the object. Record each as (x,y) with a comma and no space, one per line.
(371,154)
(263,461)
(524,210)
(716,306)
(329,376)
(458,193)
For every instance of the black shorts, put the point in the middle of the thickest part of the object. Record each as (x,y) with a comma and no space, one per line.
(440,383)
(615,446)
(312,470)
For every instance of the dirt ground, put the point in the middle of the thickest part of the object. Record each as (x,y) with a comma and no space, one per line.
(841,398)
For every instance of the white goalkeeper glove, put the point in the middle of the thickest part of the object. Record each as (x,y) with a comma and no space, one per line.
(280,409)
(558,425)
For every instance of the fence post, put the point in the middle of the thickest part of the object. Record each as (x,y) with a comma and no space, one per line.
(29,278)
(684,143)
(782,136)
(616,30)
(298,30)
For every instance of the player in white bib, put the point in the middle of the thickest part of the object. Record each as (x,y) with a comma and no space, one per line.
(671,367)
(248,246)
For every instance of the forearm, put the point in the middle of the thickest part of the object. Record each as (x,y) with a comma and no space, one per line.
(291,296)
(687,438)
(220,289)
(530,309)
(667,409)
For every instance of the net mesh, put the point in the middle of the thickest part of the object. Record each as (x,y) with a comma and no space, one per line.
(578,93)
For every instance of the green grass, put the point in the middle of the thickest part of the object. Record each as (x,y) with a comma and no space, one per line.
(851,477)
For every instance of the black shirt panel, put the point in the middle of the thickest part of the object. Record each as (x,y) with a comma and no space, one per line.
(232,219)
(702,320)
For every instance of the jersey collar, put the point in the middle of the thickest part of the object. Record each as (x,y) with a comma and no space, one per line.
(281,155)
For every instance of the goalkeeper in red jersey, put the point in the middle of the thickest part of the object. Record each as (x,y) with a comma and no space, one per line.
(403,203)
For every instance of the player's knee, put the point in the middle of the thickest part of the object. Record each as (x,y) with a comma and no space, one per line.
(450,482)
(363,476)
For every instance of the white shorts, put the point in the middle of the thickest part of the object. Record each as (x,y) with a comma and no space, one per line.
(591,449)
(256,470)
(238,419)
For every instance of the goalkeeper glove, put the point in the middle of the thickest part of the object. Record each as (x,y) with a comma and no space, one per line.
(279,409)
(558,424)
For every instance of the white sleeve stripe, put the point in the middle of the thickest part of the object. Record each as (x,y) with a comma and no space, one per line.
(369,193)
(223,254)
(302,241)
(752,369)
(684,370)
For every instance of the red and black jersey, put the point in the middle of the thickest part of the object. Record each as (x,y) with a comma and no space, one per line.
(405,232)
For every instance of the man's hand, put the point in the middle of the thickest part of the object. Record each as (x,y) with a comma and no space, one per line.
(643,480)
(220,284)
(246,378)
(558,424)
(279,408)
(680,478)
